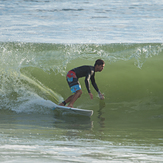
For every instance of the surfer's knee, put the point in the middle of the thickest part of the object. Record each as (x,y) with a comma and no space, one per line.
(79,92)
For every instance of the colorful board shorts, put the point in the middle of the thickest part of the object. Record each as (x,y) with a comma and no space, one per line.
(73,81)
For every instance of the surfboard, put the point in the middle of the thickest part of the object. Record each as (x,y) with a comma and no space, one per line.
(68,110)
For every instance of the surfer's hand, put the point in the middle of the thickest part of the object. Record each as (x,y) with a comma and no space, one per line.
(91,95)
(101,96)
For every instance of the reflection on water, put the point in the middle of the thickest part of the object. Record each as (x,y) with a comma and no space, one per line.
(73,122)
(100,113)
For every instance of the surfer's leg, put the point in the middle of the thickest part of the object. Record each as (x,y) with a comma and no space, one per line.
(62,104)
(66,101)
(75,97)
(72,80)
(69,99)
(75,88)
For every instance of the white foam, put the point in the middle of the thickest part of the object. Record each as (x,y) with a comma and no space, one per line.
(35,104)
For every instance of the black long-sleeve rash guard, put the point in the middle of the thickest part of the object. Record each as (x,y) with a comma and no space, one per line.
(88,72)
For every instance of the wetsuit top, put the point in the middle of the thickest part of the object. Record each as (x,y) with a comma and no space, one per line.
(88,72)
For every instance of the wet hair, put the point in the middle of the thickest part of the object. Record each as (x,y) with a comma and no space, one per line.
(99,62)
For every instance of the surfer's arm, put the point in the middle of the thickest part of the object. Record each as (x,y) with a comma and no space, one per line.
(94,84)
(96,87)
(87,78)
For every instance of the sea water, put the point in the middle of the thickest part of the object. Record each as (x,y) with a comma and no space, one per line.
(81,21)
(41,41)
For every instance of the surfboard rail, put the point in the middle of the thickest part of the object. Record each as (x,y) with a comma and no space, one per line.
(69,110)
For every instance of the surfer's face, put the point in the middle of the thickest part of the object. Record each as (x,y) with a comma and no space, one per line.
(99,68)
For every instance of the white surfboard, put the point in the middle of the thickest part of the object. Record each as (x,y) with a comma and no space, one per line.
(67,110)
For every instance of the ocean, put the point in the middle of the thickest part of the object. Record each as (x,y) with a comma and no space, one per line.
(41,40)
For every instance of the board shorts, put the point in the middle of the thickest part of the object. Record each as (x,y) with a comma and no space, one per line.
(73,81)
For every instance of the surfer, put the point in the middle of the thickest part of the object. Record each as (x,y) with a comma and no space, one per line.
(83,71)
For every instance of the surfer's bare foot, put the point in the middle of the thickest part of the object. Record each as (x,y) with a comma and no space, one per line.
(71,106)
(61,104)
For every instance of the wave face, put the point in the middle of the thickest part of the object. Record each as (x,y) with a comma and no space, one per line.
(33,75)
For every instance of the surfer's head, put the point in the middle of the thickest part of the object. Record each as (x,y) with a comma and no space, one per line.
(99,65)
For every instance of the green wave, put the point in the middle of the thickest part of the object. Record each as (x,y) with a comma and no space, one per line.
(132,73)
